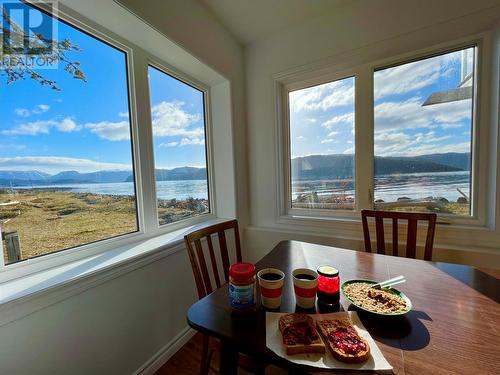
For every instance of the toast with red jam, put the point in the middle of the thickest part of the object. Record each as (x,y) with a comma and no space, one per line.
(345,344)
(300,335)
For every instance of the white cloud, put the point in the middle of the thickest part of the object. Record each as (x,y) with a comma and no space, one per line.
(123,114)
(323,97)
(333,134)
(450,126)
(55,164)
(185,142)
(300,137)
(347,118)
(111,131)
(192,141)
(43,127)
(170,119)
(350,150)
(410,114)
(67,126)
(403,144)
(412,76)
(328,140)
(39,109)
(169,144)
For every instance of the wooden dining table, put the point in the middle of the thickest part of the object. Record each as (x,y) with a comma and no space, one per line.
(453,328)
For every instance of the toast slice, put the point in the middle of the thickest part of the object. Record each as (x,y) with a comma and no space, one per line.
(345,344)
(300,335)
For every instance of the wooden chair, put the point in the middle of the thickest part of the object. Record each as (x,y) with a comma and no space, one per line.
(203,281)
(411,237)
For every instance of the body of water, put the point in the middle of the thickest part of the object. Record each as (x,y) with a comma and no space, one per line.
(179,190)
(387,187)
(391,187)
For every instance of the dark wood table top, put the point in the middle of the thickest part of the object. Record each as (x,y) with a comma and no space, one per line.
(453,327)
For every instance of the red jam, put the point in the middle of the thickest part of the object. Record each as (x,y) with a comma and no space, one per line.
(347,340)
(299,333)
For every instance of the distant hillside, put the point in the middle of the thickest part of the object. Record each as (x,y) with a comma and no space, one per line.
(319,167)
(23,175)
(452,159)
(35,178)
(72,177)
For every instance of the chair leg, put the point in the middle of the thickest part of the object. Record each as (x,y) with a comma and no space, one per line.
(205,356)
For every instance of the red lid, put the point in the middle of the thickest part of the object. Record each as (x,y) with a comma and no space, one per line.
(242,271)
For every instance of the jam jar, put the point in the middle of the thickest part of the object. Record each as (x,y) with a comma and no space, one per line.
(328,286)
(242,287)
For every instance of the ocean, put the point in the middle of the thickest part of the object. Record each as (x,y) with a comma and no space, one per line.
(391,187)
(387,187)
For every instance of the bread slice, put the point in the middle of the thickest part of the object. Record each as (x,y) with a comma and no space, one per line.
(328,327)
(299,329)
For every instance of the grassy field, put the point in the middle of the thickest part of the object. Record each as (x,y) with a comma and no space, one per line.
(49,221)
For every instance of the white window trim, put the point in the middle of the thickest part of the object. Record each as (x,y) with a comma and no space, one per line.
(140,113)
(318,74)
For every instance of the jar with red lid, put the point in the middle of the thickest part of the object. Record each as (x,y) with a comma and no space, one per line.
(328,286)
(242,287)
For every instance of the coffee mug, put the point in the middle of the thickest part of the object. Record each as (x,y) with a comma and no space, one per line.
(305,284)
(271,287)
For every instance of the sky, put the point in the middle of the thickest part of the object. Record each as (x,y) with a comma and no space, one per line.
(85,126)
(322,117)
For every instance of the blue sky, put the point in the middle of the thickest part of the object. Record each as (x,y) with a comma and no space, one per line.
(322,117)
(85,126)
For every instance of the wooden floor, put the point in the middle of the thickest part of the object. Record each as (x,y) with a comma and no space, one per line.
(187,361)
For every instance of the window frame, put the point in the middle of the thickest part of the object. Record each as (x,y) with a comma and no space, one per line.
(364,134)
(286,162)
(184,78)
(137,61)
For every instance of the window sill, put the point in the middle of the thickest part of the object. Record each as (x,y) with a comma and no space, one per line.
(23,296)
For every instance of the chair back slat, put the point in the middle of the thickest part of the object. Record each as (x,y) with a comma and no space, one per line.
(237,240)
(366,234)
(213,260)
(225,256)
(196,271)
(429,241)
(203,266)
(201,273)
(379,224)
(395,237)
(411,238)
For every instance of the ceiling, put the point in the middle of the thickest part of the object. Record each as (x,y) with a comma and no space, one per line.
(250,20)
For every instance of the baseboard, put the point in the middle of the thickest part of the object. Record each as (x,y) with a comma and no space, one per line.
(167,351)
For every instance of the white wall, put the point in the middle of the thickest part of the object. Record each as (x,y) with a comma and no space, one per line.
(118,326)
(111,329)
(359,33)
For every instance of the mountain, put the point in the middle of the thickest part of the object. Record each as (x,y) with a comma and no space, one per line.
(179,174)
(452,159)
(74,177)
(322,167)
(22,178)
(23,175)
(313,167)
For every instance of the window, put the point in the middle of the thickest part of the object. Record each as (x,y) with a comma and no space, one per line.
(178,117)
(420,148)
(66,163)
(423,134)
(322,146)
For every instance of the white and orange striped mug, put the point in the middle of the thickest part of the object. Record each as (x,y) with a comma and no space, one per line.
(271,287)
(305,284)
